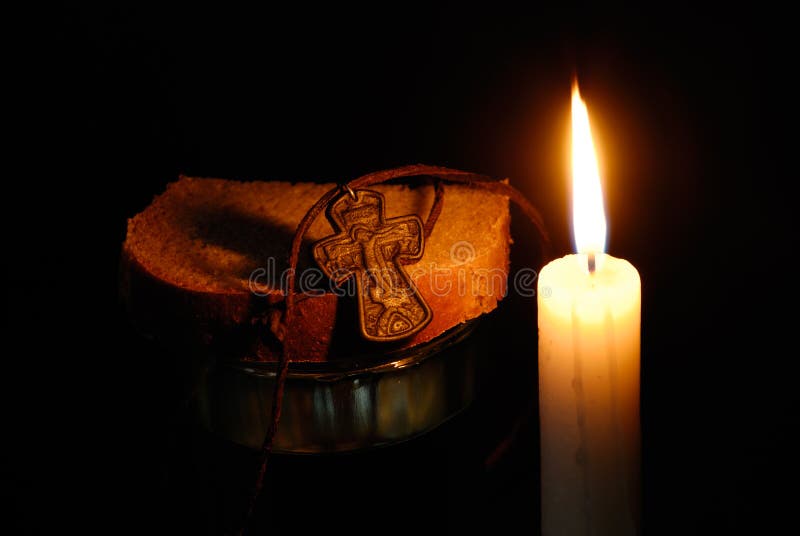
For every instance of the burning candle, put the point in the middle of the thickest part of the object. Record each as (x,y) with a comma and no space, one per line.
(589,317)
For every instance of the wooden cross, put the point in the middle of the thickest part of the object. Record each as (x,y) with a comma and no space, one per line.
(368,247)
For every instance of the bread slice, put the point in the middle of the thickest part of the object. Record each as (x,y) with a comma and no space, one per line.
(202,264)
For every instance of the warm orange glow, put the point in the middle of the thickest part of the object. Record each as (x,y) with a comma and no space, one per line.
(588,214)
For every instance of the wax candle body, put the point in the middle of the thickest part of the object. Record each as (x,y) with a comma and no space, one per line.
(589,362)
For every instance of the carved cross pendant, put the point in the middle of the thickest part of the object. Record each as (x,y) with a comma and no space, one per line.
(368,247)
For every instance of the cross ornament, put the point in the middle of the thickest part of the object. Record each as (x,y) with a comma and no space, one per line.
(369,248)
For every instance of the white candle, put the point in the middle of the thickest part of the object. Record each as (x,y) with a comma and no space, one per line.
(589,318)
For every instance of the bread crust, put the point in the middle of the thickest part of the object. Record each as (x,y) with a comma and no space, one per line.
(239,324)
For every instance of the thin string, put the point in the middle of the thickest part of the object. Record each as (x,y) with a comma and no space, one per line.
(418,170)
(436,209)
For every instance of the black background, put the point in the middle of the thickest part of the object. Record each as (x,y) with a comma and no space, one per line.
(692,112)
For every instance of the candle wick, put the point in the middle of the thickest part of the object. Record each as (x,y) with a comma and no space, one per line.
(591,263)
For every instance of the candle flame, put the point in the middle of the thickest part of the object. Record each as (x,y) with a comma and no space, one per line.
(588,214)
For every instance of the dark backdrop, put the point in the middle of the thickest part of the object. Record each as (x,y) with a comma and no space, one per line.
(692,115)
